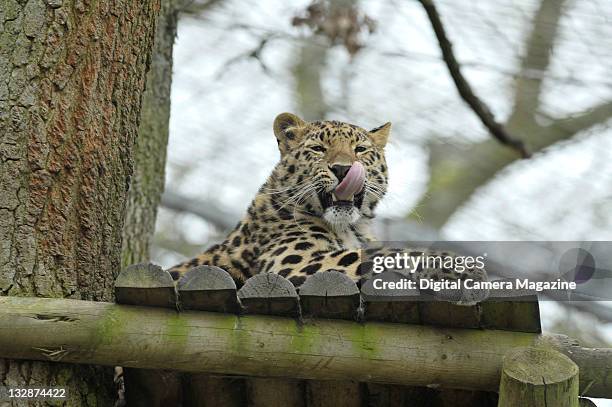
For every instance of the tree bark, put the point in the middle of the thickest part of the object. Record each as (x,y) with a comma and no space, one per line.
(72,75)
(147,182)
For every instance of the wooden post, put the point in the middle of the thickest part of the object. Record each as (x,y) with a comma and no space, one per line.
(331,294)
(148,284)
(538,377)
(442,313)
(145,284)
(390,305)
(520,312)
(269,294)
(272,294)
(209,288)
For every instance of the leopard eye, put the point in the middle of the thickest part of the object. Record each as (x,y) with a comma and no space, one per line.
(318,148)
(360,149)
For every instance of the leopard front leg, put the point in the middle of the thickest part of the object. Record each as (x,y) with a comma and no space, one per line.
(359,266)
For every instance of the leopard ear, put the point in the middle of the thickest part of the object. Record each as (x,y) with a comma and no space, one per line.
(288,130)
(380,135)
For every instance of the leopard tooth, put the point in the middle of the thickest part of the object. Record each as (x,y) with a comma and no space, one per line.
(334,197)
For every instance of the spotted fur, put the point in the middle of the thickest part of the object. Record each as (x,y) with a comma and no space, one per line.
(290,228)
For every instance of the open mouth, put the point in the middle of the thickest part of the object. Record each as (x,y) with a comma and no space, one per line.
(329,199)
(350,190)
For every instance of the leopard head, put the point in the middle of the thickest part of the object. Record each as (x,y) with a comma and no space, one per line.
(330,169)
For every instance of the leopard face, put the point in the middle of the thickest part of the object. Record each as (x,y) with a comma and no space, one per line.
(317,157)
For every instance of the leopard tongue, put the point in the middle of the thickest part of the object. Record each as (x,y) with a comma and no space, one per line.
(352,182)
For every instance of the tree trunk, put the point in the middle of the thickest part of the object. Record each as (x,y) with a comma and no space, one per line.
(72,75)
(147,182)
(150,387)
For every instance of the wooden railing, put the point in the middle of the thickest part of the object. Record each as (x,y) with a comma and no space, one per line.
(332,344)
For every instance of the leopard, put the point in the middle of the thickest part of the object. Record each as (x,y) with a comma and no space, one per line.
(314,212)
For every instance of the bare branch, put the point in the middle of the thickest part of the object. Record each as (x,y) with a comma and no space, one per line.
(255,53)
(578,122)
(483,112)
(222,219)
(538,54)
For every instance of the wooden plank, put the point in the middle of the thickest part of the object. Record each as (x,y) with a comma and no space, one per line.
(272,294)
(447,314)
(269,294)
(208,288)
(512,312)
(382,303)
(331,294)
(145,284)
(149,285)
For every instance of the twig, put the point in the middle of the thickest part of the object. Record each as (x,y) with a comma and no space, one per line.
(463,87)
(255,53)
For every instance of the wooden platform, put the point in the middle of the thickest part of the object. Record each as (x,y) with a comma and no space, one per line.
(329,295)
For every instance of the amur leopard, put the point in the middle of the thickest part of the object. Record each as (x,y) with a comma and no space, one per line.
(313,213)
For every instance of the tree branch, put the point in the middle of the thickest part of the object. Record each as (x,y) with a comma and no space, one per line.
(582,121)
(483,112)
(539,47)
(222,219)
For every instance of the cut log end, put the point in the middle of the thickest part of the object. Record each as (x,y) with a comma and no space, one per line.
(538,377)
(270,294)
(329,294)
(208,288)
(145,284)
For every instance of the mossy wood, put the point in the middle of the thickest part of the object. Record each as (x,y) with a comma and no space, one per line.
(75,331)
(538,377)
(403,306)
(332,294)
(148,285)
(272,294)
(210,288)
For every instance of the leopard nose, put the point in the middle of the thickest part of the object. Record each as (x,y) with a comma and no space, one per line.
(340,171)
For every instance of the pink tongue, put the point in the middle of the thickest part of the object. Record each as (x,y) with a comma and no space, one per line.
(352,182)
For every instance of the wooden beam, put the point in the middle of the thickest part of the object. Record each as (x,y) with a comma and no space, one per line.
(99,333)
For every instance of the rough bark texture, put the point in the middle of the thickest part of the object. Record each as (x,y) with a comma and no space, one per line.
(72,75)
(147,182)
